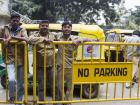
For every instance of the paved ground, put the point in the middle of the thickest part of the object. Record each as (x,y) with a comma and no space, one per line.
(102,96)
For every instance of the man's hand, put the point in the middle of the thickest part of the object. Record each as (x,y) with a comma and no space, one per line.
(76,42)
(6,42)
(48,41)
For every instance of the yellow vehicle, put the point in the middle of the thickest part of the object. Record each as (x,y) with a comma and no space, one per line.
(87,31)
(116,35)
(93,32)
(120,32)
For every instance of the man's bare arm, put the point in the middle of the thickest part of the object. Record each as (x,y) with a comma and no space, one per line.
(20,38)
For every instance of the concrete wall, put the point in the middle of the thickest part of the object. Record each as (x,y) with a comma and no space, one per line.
(4,12)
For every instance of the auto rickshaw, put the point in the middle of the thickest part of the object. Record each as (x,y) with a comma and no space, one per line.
(115,35)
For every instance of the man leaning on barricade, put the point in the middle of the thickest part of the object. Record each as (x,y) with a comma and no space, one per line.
(135,38)
(67,55)
(8,32)
(41,39)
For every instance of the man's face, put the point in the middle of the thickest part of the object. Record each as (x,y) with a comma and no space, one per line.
(66,29)
(15,22)
(43,27)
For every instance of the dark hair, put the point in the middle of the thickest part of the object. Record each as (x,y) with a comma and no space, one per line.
(66,23)
(15,16)
(136,32)
(43,21)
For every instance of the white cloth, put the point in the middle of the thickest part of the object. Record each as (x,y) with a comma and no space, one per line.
(11,72)
(135,67)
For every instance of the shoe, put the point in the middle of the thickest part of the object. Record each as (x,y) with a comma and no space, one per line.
(127,85)
(11,100)
(135,79)
(30,75)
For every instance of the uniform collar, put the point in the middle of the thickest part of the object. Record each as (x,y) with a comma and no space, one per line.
(69,38)
(9,27)
(44,36)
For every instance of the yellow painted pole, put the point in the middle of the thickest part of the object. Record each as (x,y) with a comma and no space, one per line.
(117,53)
(125,60)
(45,73)
(34,74)
(54,72)
(72,72)
(63,72)
(92,57)
(82,52)
(25,73)
(81,91)
(106,90)
(132,70)
(6,75)
(114,90)
(98,91)
(138,80)
(16,68)
(138,77)
(101,47)
(109,54)
(90,88)
(122,90)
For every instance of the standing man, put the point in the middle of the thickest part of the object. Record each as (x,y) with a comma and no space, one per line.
(135,38)
(8,32)
(69,48)
(38,38)
(66,36)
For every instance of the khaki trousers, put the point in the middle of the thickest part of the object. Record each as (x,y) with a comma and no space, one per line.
(68,82)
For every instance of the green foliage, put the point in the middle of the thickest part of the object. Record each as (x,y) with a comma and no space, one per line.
(133,20)
(136,14)
(75,10)
(25,7)
(1,1)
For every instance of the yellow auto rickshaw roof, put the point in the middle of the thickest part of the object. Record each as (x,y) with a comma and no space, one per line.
(121,31)
(81,28)
(51,26)
(92,30)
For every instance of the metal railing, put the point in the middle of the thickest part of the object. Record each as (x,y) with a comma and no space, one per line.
(98,67)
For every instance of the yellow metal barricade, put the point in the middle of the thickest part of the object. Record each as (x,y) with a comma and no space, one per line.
(90,78)
(5,96)
(109,73)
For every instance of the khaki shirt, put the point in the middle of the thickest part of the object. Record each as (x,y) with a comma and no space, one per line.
(68,52)
(37,39)
(5,32)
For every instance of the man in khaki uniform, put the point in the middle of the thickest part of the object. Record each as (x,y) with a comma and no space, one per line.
(66,36)
(38,38)
(66,29)
(8,32)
